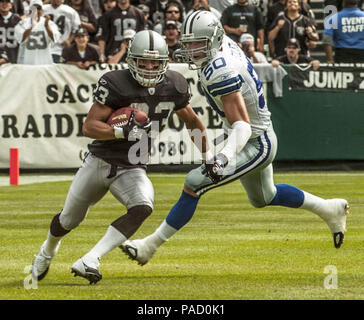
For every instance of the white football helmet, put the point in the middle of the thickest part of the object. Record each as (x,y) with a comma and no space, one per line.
(200,26)
(148,45)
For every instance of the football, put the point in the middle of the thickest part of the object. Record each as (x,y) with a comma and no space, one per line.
(120,117)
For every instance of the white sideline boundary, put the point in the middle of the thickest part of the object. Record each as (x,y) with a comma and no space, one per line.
(33,178)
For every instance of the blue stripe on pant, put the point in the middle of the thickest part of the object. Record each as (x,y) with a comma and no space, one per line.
(244,169)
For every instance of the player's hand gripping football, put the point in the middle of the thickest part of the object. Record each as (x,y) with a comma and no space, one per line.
(134,130)
(214,169)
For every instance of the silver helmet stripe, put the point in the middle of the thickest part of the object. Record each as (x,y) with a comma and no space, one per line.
(189,23)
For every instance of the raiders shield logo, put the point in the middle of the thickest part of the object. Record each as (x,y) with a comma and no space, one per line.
(300,30)
(151,91)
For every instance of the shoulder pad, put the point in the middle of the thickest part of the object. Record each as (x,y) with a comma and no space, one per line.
(179,81)
(222,80)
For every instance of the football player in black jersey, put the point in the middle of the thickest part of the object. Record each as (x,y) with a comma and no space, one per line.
(146,85)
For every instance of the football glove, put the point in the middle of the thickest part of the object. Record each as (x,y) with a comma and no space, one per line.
(215,169)
(133,130)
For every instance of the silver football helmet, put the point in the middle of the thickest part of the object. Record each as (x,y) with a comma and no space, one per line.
(148,45)
(205,27)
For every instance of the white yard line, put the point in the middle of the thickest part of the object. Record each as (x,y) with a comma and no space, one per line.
(29,179)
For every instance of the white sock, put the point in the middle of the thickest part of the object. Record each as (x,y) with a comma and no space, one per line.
(112,239)
(314,204)
(162,234)
(51,244)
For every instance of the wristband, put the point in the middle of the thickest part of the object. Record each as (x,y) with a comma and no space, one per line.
(119,133)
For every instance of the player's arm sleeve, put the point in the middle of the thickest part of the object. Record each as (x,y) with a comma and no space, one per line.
(225,83)
(183,94)
(238,137)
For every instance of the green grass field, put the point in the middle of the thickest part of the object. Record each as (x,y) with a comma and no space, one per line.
(228,251)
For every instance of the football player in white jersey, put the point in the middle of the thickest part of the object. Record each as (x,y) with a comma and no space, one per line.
(68,21)
(235,92)
(36,34)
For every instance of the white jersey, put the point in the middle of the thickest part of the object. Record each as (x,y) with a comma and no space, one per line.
(36,49)
(229,71)
(68,21)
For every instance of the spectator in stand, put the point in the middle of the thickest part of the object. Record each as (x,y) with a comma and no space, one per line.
(8,21)
(87,15)
(291,24)
(244,18)
(80,52)
(293,55)
(204,5)
(120,54)
(146,11)
(36,33)
(159,7)
(172,13)
(279,6)
(68,22)
(345,33)
(246,43)
(171,33)
(3,57)
(107,5)
(123,16)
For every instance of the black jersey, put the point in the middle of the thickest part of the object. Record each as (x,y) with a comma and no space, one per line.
(70,53)
(292,29)
(7,36)
(117,89)
(114,24)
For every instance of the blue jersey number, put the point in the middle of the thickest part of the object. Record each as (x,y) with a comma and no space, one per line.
(216,64)
(254,75)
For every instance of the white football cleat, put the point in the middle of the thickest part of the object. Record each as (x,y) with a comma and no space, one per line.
(139,250)
(41,263)
(335,218)
(87,268)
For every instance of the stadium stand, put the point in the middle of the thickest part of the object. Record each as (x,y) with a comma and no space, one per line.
(317,7)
